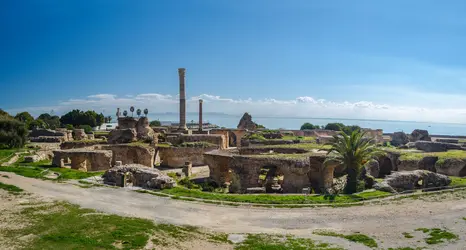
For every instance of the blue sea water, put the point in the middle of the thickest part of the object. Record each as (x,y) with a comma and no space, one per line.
(231,121)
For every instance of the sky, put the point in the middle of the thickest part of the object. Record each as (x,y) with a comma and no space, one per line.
(387,60)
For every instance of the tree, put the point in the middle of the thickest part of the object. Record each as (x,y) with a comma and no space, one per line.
(138,112)
(335,126)
(13,133)
(37,124)
(352,151)
(155,123)
(308,125)
(132,110)
(77,118)
(24,117)
(4,113)
(52,122)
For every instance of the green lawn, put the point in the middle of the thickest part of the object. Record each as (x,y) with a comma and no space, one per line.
(6,154)
(457,181)
(458,154)
(40,169)
(306,146)
(10,188)
(274,199)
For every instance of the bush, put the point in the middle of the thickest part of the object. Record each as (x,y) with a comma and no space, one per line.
(188,183)
(361,186)
(197,144)
(87,128)
(69,127)
(13,133)
(334,126)
(308,125)
(155,123)
(256,136)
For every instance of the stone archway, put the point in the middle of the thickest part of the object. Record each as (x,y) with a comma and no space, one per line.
(232,141)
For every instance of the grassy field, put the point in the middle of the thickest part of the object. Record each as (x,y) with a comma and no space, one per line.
(10,188)
(59,225)
(458,154)
(41,168)
(306,146)
(274,199)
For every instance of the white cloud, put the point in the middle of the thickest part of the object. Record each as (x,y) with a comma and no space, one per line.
(300,107)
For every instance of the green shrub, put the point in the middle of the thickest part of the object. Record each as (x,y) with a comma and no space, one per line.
(256,136)
(155,123)
(13,133)
(69,127)
(197,144)
(87,128)
(186,182)
(235,184)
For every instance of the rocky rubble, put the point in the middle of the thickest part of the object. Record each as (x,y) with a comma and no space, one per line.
(247,123)
(138,175)
(410,180)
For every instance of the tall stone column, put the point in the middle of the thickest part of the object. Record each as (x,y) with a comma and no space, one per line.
(200,115)
(181,73)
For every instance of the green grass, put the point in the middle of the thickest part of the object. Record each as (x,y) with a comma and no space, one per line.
(306,146)
(6,154)
(457,154)
(457,181)
(406,248)
(271,242)
(39,170)
(70,227)
(10,188)
(274,199)
(359,238)
(437,235)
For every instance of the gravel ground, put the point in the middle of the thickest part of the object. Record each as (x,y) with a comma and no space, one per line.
(384,222)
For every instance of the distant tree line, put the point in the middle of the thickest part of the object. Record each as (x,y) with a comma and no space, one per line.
(14,129)
(332,126)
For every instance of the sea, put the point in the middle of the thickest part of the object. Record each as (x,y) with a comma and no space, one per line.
(292,123)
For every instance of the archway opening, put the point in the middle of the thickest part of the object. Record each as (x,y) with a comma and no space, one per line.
(232,139)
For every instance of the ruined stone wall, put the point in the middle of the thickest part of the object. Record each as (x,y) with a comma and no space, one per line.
(126,122)
(177,156)
(214,139)
(132,154)
(83,160)
(254,151)
(80,144)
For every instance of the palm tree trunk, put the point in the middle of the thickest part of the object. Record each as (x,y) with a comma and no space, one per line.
(351,179)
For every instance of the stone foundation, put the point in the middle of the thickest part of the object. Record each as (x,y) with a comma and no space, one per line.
(132,154)
(137,175)
(177,156)
(83,160)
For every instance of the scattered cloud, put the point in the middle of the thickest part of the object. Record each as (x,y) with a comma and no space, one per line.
(300,107)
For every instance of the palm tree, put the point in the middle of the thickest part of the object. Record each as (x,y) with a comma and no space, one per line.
(109,119)
(138,112)
(352,151)
(146,111)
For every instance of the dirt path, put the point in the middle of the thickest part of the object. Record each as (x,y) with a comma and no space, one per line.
(384,222)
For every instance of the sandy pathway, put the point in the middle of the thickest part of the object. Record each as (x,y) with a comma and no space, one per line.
(384,222)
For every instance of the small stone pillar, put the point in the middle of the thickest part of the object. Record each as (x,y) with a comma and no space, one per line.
(188,168)
(79,134)
(181,74)
(118,163)
(200,115)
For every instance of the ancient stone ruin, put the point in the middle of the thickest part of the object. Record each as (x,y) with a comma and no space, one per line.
(48,135)
(137,175)
(410,180)
(83,160)
(130,130)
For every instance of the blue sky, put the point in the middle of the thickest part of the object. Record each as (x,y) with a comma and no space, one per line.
(351,59)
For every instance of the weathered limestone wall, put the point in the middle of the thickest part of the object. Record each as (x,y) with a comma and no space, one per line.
(214,139)
(297,173)
(80,144)
(83,160)
(48,135)
(177,156)
(127,122)
(132,154)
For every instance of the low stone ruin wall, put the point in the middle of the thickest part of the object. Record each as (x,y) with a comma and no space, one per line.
(177,156)
(255,151)
(297,173)
(137,175)
(411,180)
(48,139)
(80,144)
(132,154)
(83,160)
(216,139)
